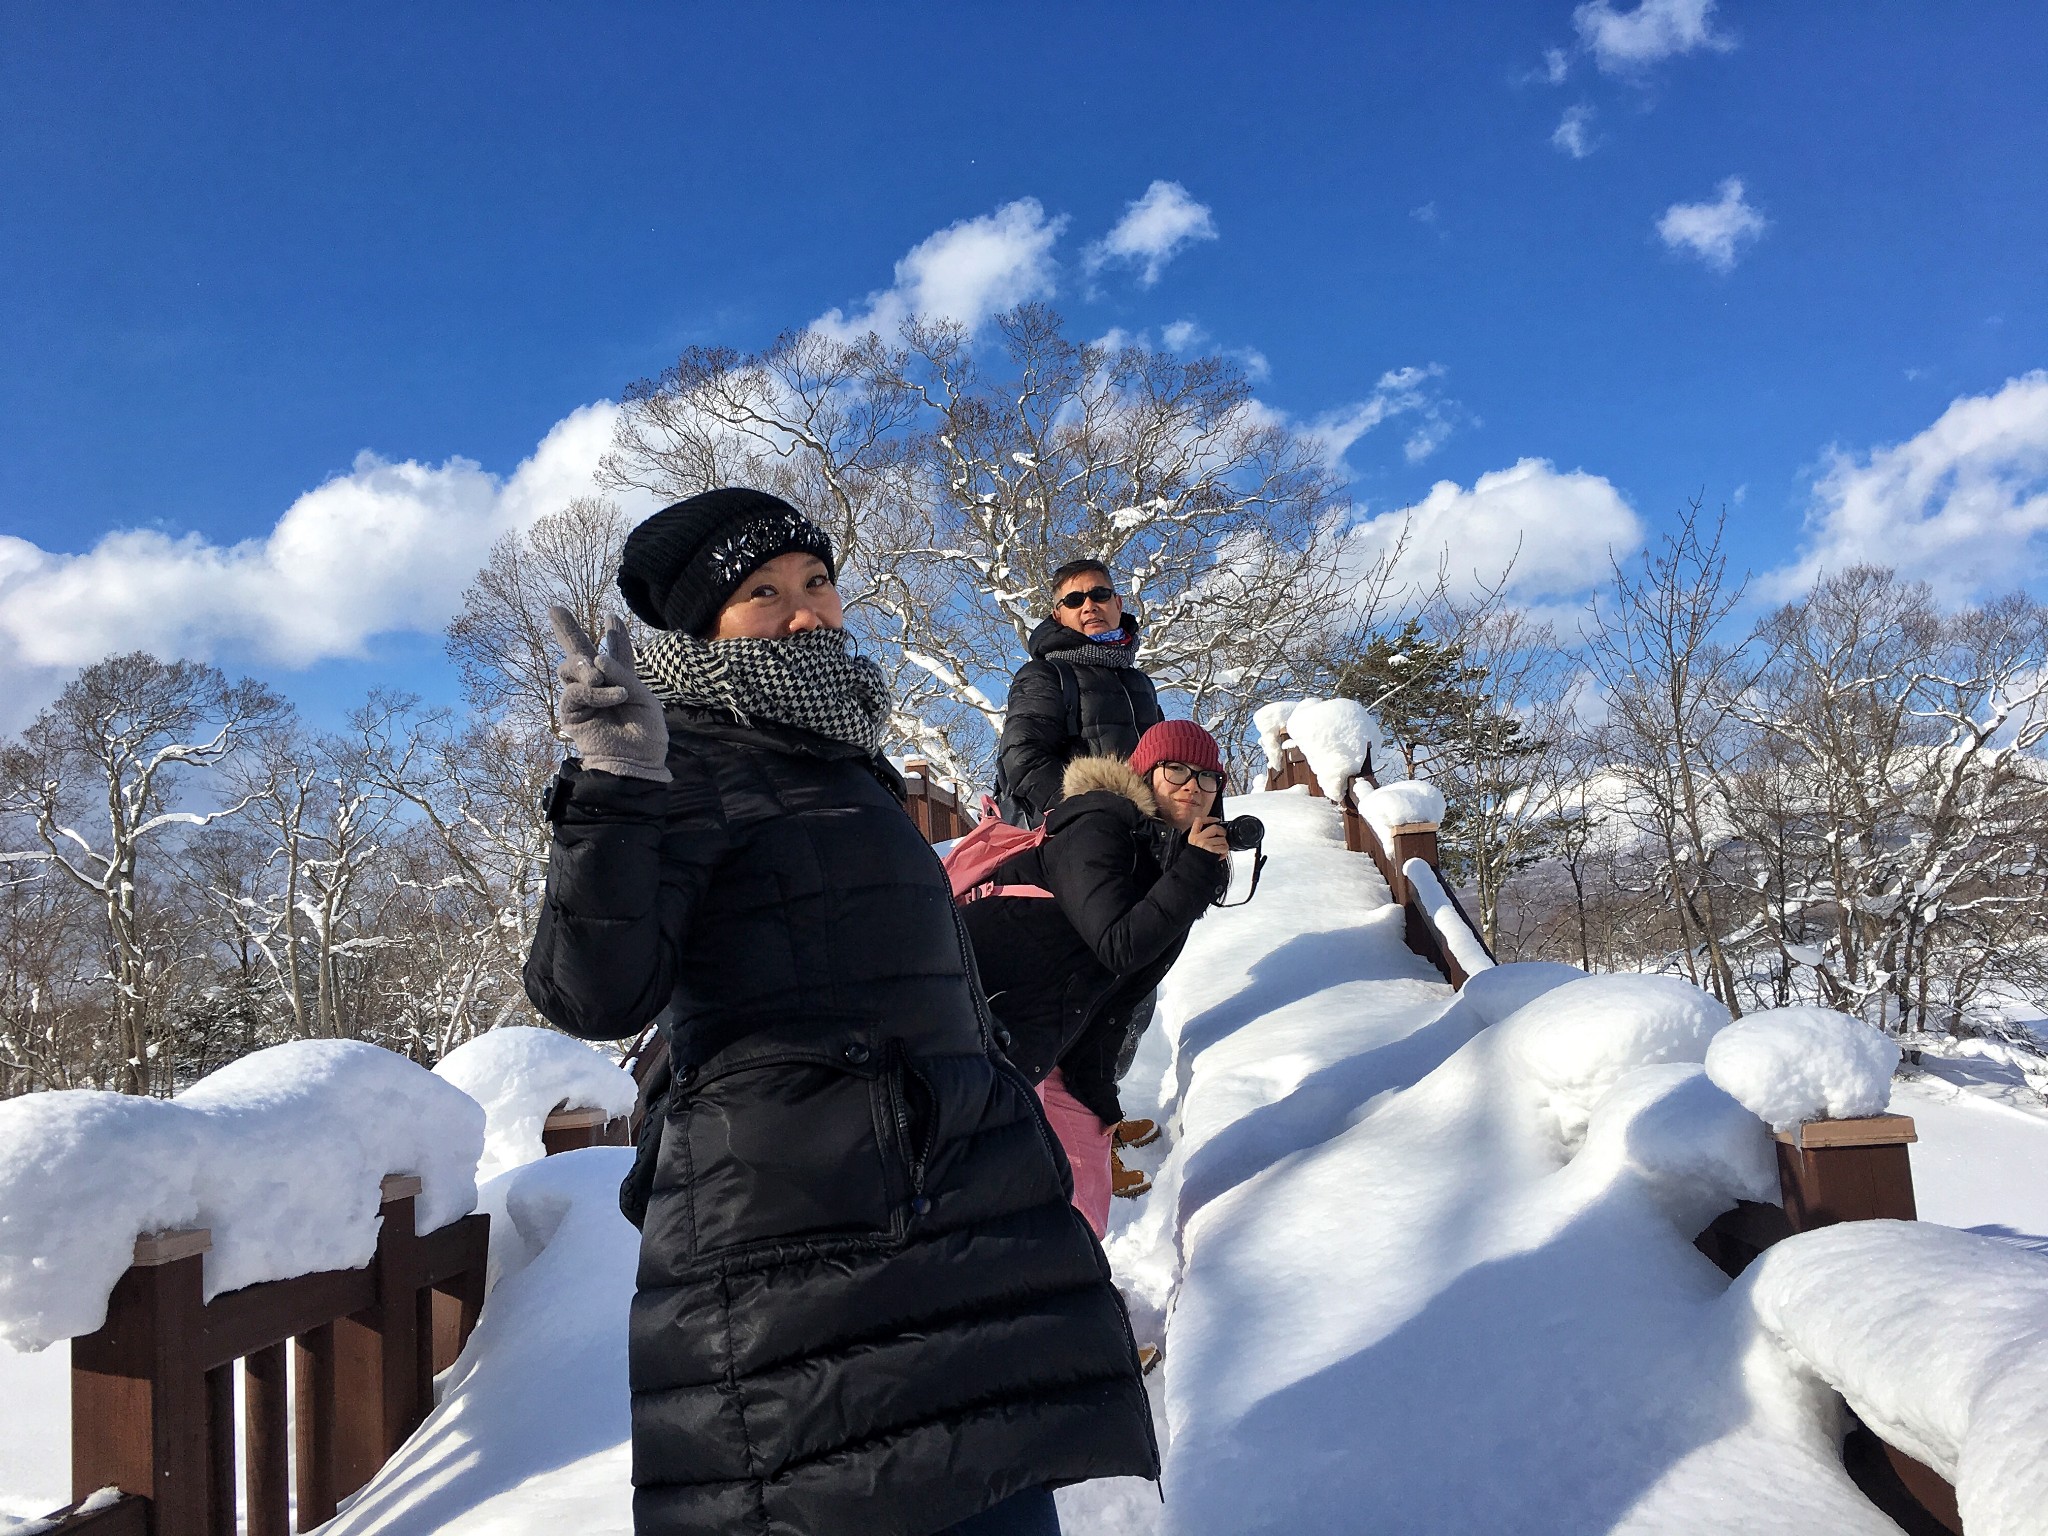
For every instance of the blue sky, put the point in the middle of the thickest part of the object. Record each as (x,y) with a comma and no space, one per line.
(241,246)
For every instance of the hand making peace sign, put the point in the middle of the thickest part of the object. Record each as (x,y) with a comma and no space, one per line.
(612,718)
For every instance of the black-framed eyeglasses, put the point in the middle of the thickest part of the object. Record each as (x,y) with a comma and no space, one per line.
(1178,774)
(1091,595)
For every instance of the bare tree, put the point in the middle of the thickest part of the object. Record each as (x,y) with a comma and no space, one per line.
(501,641)
(1891,796)
(122,741)
(955,481)
(1656,647)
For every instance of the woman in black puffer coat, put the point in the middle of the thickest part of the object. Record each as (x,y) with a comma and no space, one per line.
(1132,861)
(864,1303)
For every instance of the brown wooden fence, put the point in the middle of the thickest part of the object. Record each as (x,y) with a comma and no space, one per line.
(1416,840)
(935,807)
(1832,1171)
(153,1391)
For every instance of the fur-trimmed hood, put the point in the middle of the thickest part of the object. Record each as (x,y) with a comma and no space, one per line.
(1087,774)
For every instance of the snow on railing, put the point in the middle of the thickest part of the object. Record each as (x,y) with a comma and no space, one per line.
(1396,823)
(313,1195)
(1938,1342)
(541,1093)
(1461,946)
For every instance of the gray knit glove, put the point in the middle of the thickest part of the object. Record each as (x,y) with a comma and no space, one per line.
(612,718)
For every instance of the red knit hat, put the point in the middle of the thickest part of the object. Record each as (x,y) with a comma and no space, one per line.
(1175,741)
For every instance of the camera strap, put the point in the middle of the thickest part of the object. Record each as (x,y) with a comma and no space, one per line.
(1258,868)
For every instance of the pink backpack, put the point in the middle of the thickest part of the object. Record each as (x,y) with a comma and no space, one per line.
(972,862)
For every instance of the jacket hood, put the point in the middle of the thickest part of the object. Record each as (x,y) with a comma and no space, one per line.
(1086,774)
(1051,635)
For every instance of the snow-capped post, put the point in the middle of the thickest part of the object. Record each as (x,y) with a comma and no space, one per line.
(1822,1081)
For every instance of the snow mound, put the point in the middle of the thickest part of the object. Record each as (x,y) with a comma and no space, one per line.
(1450,924)
(1403,803)
(1337,736)
(1937,1338)
(1271,720)
(1498,991)
(1792,1065)
(520,1075)
(1692,1148)
(1574,1042)
(280,1154)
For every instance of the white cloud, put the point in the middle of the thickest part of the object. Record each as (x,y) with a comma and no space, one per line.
(1555,530)
(966,272)
(1555,67)
(1624,42)
(386,547)
(1962,505)
(1182,335)
(1153,230)
(1716,232)
(1400,392)
(1573,134)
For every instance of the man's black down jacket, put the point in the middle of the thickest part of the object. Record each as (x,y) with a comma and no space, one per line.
(865,1304)
(1113,707)
(1062,975)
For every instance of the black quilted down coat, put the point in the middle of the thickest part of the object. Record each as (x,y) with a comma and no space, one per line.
(1062,975)
(1059,710)
(865,1304)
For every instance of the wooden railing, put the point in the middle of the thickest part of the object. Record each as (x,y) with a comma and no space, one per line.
(1832,1171)
(1413,840)
(153,1391)
(935,807)
(1829,1171)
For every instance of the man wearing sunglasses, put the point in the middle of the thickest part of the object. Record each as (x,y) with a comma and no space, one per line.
(1080,695)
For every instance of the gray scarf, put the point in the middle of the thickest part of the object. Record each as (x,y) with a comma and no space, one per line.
(811,680)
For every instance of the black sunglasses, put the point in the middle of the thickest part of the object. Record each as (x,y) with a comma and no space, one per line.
(1091,595)
(1178,774)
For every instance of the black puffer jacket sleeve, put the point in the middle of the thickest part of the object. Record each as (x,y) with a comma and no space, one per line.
(631,861)
(1090,867)
(1035,746)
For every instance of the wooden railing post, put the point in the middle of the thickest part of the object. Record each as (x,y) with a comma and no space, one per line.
(269,1423)
(571,1130)
(917,778)
(141,1412)
(377,1351)
(1847,1170)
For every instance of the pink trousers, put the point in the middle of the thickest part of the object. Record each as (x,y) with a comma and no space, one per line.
(1087,1143)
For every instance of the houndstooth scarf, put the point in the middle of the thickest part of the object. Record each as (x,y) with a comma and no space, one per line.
(1123,653)
(812,680)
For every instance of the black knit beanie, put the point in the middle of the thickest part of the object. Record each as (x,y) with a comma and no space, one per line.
(681,565)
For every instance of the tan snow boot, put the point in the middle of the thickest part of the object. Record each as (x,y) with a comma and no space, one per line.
(1137,1133)
(1126,1183)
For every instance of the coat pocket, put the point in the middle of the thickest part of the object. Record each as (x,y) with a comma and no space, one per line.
(792,1146)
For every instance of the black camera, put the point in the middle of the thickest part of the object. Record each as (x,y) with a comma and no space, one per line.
(1244,833)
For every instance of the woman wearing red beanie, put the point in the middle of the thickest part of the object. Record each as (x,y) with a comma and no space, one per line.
(1133,856)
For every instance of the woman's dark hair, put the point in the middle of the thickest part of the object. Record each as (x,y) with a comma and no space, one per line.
(1073,568)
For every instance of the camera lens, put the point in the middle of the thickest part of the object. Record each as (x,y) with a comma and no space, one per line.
(1244,833)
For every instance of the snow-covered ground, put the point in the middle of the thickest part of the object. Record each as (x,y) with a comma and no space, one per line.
(1414,1267)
